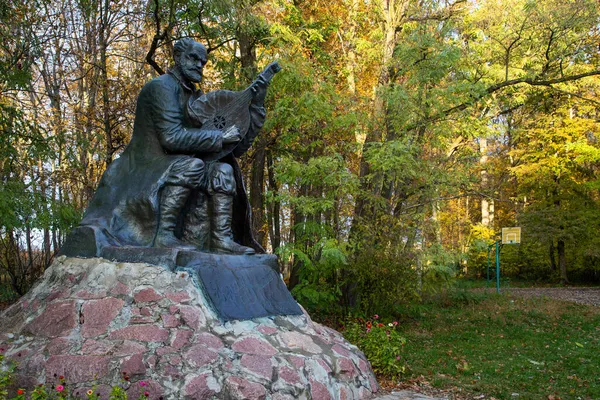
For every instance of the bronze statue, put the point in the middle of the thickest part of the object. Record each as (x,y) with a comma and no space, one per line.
(177,184)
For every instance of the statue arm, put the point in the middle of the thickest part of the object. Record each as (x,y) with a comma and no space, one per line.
(168,119)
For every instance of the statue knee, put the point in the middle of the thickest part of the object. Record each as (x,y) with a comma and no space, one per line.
(222,179)
(188,172)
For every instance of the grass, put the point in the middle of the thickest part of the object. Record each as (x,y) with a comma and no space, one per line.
(505,347)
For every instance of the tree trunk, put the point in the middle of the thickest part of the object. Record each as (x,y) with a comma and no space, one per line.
(257,195)
(485,205)
(562,262)
(274,207)
(552,256)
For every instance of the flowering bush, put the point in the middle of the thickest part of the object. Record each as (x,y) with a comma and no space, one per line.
(381,342)
(59,389)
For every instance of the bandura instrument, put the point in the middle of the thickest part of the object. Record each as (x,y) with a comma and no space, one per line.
(222,109)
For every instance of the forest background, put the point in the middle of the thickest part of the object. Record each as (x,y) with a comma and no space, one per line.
(401,134)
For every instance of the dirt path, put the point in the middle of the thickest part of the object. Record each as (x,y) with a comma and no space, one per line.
(589,296)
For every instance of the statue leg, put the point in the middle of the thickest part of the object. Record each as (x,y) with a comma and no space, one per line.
(196,226)
(222,188)
(184,176)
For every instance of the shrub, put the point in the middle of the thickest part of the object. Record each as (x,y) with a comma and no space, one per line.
(381,342)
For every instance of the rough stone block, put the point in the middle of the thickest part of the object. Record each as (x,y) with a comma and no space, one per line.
(192,316)
(242,389)
(96,348)
(260,365)
(146,295)
(296,340)
(200,386)
(170,321)
(199,355)
(58,319)
(129,347)
(134,365)
(144,333)
(209,340)
(319,390)
(76,368)
(98,314)
(253,345)
(182,338)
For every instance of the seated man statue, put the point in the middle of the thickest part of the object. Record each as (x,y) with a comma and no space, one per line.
(174,186)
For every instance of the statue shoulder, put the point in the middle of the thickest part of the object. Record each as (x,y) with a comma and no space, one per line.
(159,85)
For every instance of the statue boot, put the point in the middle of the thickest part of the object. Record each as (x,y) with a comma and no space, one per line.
(197,223)
(221,234)
(172,200)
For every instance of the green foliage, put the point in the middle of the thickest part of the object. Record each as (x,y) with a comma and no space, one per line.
(380,282)
(380,341)
(319,287)
(481,237)
(439,270)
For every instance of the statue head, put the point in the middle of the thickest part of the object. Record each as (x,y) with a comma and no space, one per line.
(190,57)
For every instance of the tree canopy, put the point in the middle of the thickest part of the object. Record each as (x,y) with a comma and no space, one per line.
(401,135)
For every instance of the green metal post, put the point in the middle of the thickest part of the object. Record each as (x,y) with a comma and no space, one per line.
(498,266)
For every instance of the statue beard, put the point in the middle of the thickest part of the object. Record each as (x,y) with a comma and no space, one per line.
(191,74)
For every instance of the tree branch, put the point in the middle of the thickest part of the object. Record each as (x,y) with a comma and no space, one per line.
(512,82)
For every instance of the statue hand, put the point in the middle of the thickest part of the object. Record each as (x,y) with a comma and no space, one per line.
(259,91)
(231,135)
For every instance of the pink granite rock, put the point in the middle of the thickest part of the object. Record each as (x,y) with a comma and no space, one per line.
(60,346)
(289,375)
(179,297)
(373,383)
(209,340)
(242,389)
(170,321)
(345,393)
(345,368)
(58,319)
(120,289)
(182,338)
(96,348)
(197,387)
(144,333)
(364,393)
(296,340)
(129,347)
(198,356)
(134,365)
(98,314)
(297,361)
(319,390)
(267,330)
(146,295)
(253,345)
(154,389)
(260,365)
(340,350)
(87,295)
(77,368)
(192,316)
(161,351)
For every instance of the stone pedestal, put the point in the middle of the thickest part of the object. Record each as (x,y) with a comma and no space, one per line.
(92,320)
